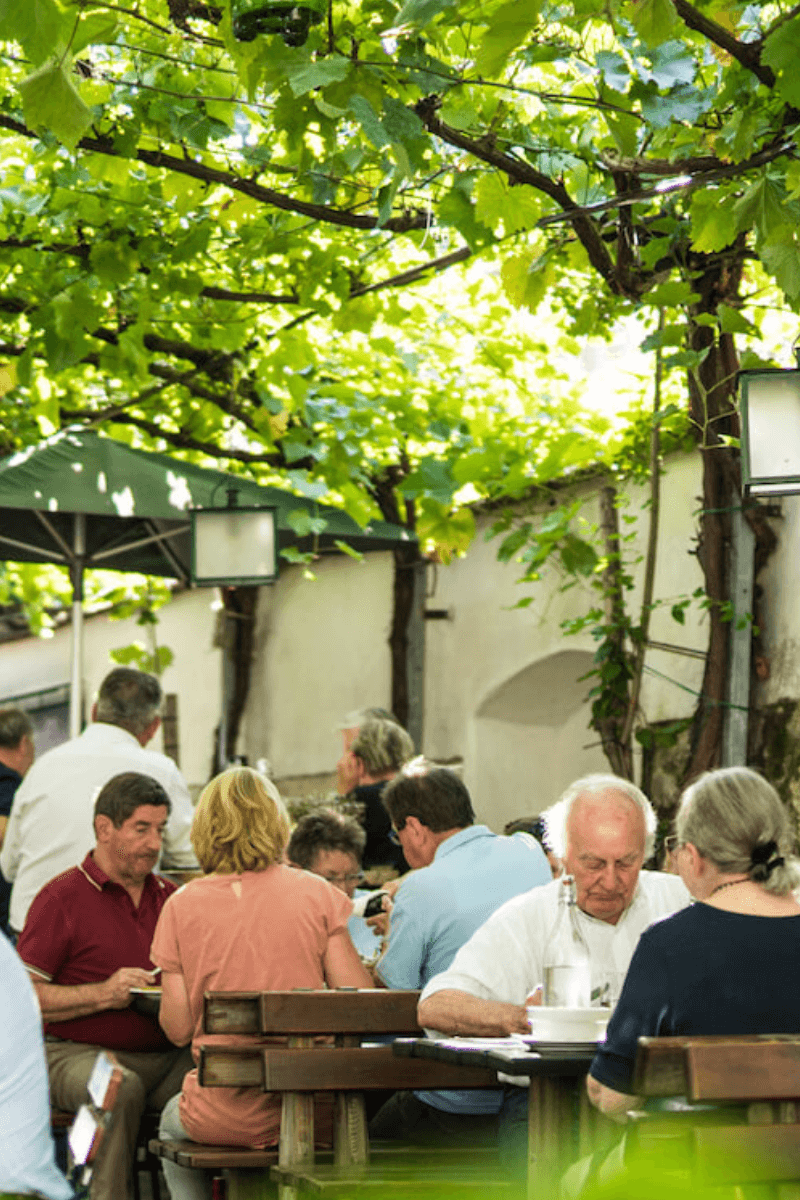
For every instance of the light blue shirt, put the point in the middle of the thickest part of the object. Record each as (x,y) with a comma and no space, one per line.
(438,908)
(27,1162)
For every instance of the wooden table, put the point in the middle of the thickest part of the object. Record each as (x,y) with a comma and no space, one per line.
(555,1078)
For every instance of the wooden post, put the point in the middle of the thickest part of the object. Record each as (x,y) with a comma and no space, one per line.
(415,658)
(169,725)
(350,1137)
(742,572)
(549,1134)
(296,1146)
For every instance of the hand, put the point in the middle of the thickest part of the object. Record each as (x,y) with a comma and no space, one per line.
(390,887)
(518,1020)
(379,924)
(118,986)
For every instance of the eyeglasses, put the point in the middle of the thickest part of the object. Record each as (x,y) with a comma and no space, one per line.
(355,877)
(394,837)
(672,843)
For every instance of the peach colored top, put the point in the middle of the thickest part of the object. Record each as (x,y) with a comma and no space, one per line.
(259,931)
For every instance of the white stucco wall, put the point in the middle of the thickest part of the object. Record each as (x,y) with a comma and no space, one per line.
(321,650)
(502,683)
(777,608)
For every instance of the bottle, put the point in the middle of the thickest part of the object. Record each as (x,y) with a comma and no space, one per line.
(566,969)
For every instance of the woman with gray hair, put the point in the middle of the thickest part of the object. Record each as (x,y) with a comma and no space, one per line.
(730,963)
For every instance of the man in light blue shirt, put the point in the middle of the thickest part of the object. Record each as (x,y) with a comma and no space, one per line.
(27,1162)
(463,872)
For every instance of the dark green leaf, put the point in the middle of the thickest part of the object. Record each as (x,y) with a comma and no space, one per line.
(421,12)
(368,118)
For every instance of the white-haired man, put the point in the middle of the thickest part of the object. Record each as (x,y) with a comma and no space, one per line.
(603,828)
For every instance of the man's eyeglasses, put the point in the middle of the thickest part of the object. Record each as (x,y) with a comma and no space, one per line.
(355,877)
(394,837)
(672,843)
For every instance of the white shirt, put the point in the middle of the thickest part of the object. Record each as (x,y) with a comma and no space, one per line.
(50,828)
(27,1161)
(503,959)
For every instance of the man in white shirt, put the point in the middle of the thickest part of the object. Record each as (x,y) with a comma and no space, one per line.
(603,828)
(49,829)
(27,1158)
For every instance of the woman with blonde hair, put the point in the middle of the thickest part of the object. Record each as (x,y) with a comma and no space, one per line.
(729,963)
(252,923)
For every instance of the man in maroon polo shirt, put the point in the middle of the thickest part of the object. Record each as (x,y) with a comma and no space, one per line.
(86,943)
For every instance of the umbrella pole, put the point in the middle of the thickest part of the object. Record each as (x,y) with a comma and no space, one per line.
(76,572)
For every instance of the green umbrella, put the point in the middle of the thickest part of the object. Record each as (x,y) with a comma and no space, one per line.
(85,500)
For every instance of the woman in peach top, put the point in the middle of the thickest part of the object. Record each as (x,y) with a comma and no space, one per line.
(250,924)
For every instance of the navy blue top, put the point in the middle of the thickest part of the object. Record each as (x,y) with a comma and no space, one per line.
(9,782)
(380,850)
(704,970)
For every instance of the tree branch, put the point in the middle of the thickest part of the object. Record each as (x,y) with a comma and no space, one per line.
(247,187)
(210,292)
(415,273)
(678,184)
(746,53)
(182,440)
(521,172)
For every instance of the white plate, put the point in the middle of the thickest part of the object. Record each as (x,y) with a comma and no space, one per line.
(556,1049)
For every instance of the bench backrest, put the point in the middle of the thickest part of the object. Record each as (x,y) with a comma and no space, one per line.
(755,1136)
(347,1015)
(733,1068)
(331,1069)
(348,1011)
(743,1070)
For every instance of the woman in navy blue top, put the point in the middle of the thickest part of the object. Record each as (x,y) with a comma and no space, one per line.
(731,962)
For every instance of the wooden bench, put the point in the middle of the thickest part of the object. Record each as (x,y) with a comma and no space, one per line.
(751,1135)
(339,1064)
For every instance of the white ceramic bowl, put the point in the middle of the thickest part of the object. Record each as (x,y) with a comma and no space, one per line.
(568,1024)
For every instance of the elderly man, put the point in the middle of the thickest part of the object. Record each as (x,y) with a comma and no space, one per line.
(354,720)
(86,944)
(463,873)
(16,756)
(375,755)
(52,811)
(603,828)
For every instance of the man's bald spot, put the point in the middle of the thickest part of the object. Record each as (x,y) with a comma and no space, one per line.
(609,807)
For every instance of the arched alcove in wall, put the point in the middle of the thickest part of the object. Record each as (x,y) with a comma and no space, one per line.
(530,737)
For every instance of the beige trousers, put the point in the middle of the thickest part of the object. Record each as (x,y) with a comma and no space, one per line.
(149,1080)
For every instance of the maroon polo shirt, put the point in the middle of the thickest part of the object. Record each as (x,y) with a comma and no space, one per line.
(81,928)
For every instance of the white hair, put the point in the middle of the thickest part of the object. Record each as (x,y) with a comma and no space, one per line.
(555,818)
